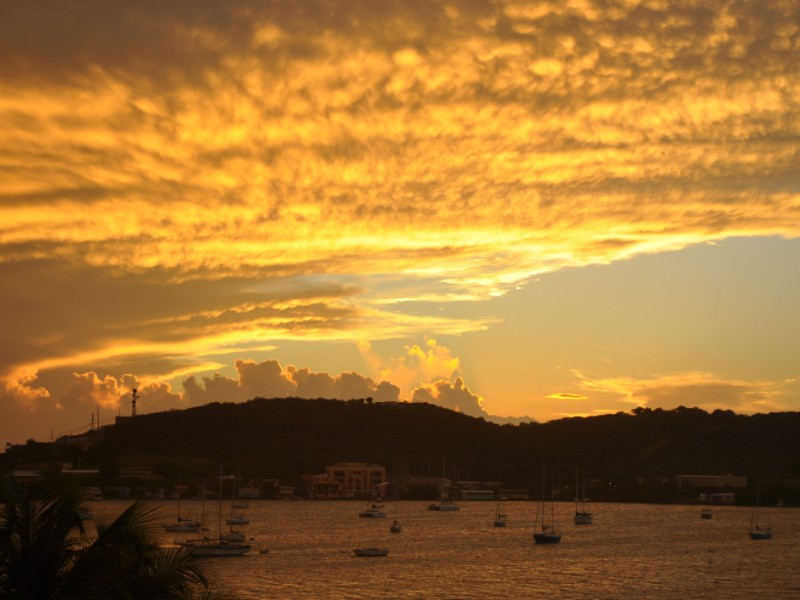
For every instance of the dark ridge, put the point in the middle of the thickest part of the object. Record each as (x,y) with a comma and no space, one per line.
(634,453)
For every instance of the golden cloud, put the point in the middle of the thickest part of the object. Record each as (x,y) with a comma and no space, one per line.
(695,389)
(204,151)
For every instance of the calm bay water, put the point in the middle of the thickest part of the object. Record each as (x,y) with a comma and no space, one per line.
(630,551)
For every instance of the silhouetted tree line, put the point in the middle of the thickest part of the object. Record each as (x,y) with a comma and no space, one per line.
(634,454)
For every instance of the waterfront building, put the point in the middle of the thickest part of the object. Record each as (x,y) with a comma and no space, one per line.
(349,480)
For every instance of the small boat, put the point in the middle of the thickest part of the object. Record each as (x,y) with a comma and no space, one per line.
(234,535)
(582,516)
(183,525)
(706,513)
(499,518)
(372,551)
(395,527)
(237,501)
(215,547)
(547,533)
(444,504)
(372,512)
(236,519)
(757,532)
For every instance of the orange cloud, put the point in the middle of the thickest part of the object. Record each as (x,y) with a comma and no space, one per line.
(185,182)
(455,396)
(564,396)
(696,389)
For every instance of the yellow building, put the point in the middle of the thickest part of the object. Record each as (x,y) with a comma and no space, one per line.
(349,480)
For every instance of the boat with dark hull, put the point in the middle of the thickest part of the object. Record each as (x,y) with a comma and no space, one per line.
(371,552)
(757,532)
(546,533)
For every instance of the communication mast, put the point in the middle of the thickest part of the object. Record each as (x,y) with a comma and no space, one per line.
(134,397)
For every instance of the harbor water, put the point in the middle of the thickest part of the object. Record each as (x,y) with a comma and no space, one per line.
(304,549)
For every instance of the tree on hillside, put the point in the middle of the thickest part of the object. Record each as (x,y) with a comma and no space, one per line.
(46,554)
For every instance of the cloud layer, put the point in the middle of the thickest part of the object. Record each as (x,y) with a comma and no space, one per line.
(183,183)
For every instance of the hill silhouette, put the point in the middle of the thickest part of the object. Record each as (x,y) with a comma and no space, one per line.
(634,454)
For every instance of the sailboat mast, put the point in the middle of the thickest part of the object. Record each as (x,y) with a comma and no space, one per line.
(755,508)
(577,491)
(444,459)
(543,478)
(219,502)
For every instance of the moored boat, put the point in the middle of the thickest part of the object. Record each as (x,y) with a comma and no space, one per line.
(582,516)
(371,551)
(215,547)
(237,519)
(372,512)
(444,506)
(183,526)
(757,532)
(547,533)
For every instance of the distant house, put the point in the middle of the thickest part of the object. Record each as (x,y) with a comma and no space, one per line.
(514,494)
(27,474)
(477,490)
(348,480)
(711,481)
(714,489)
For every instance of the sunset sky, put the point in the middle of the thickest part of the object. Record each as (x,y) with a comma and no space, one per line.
(512,208)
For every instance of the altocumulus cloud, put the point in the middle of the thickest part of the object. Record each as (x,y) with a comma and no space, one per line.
(182,181)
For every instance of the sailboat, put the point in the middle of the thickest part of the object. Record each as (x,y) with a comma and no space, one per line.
(183,524)
(499,518)
(371,551)
(236,518)
(373,510)
(238,501)
(582,517)
(547,534)
(221,546)
(756,531)
(395,527)
(444,504)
